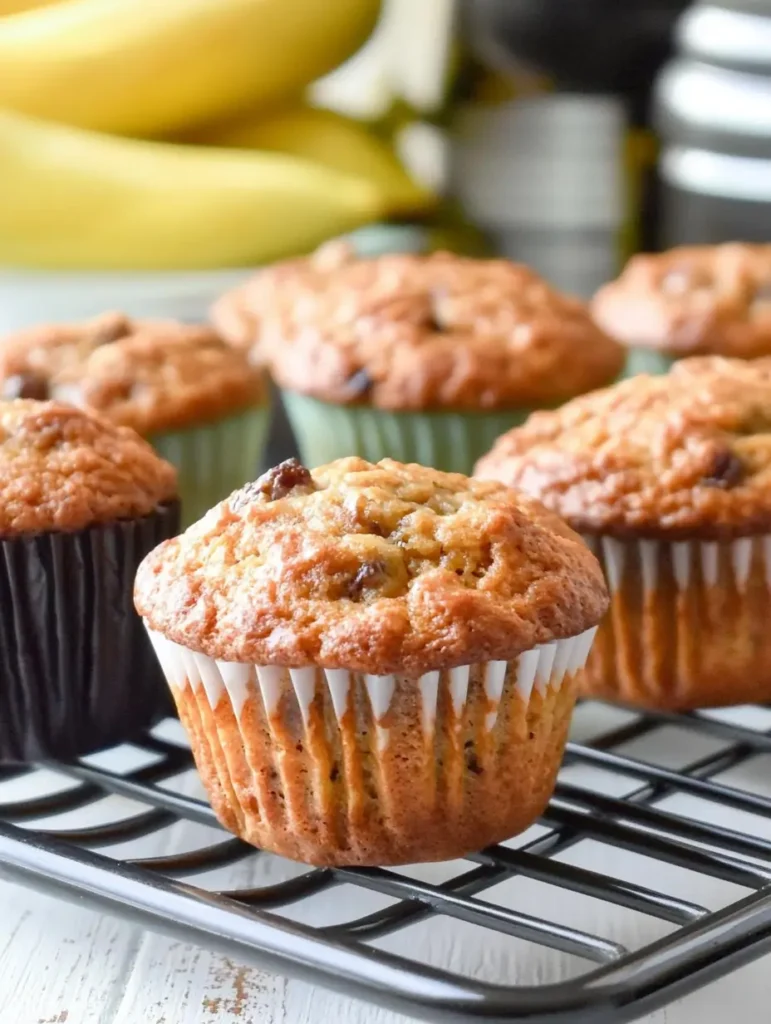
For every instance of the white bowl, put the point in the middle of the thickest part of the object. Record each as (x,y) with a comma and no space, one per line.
(36,296)
(28,297)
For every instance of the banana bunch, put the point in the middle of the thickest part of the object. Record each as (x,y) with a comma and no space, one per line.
(151,67)
(72,199)
(119,148)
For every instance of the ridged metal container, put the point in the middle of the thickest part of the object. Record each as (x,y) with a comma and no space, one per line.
(713,113)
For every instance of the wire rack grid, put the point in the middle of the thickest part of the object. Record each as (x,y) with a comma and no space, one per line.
(682,799)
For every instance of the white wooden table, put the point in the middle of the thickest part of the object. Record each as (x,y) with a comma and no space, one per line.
(65,964)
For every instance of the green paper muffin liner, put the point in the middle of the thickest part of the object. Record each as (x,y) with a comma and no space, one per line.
(647,360)
(451,441)
(214,459)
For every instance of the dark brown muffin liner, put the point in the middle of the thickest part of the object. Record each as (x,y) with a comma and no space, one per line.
(77,671)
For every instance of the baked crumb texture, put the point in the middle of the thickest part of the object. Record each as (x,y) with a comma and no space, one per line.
(412,332)
(672,457)
(695,300)
(153,376)
(669,479)
(376,664)
(64,469)
(373,568)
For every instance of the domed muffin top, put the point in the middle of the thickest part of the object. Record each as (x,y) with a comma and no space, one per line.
(149,375)
(62,468)
(681,455)
(693,300)
(382,569)
(413,332)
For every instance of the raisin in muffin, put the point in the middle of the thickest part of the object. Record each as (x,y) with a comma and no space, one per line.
(196,399)
(693,300)
(82,501)
(376,664)
(423,358)
(669,480)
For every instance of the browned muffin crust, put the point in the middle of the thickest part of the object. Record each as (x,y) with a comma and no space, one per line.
(62,468)
(149,375)
(693,300)
(406,332)
(237,315)
(374,568)
(682,455)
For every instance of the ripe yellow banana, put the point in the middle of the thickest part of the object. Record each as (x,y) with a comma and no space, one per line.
(151,67)
(326,138)
(15,6)
(71,199)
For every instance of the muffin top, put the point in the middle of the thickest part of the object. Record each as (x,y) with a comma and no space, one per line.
(63,468)
(687,454)
(149,375)
(380,568)
(695,300)
(237,315)
(415,332)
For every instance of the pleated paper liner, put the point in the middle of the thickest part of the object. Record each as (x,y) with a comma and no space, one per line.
(334,767)
(215,459)
(77,671)
(689,624)
(450,441)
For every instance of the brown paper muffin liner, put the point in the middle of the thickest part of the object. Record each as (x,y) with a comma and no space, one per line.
(77,671)
(334,767)
(689,624)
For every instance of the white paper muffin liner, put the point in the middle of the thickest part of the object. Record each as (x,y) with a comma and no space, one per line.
(333,766)
(545,666)
(689,623)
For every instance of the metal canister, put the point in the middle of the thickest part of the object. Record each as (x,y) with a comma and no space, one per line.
(713,114)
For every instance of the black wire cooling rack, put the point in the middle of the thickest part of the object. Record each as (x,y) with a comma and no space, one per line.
(612,982)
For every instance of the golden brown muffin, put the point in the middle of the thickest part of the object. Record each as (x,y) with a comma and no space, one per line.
(693,300)
(82,501)
(375,663)
(669,479)
(153,376)
(64,469)
(237,315)
(413,332)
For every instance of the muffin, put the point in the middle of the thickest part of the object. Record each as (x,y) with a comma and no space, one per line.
(197,401)
(423,358)
(82,501)
(695,300)
(376,664)
(669,480)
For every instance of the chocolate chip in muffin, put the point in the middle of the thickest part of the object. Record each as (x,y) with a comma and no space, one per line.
(25,385)
(277,483)
(368,575)
(437,316)
(727,471)
(761,300)
(358,384)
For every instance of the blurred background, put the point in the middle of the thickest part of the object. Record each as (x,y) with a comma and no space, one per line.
(153,153)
